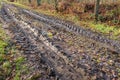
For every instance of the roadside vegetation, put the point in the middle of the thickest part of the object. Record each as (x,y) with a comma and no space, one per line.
(11,60)
(81,12)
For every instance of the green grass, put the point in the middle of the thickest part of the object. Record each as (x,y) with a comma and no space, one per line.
(3,43)
(19,67)
(9,57)
(104,29)
(2,46)
(3,60)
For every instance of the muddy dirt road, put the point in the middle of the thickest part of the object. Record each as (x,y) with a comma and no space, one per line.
(59,50)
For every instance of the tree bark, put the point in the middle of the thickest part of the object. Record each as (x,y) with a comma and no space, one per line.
(38,2)
(29,1)
(97,10)
(11,0)
(56,5)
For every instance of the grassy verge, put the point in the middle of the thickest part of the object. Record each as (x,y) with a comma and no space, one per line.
(3,43)
(99,27)
(112,32)
(11,61)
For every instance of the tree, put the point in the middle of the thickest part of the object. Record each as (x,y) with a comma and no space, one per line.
(56,5)
(11,0)
(97,10)
(29,1)
(38,2)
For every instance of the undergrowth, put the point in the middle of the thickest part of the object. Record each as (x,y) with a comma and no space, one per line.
(99,27)
(10,59)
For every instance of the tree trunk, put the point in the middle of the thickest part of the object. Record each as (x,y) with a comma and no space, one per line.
(56,5)
(29,1)
(97,10)
(38,2)
(11,0)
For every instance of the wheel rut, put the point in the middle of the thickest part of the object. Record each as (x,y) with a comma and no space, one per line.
(60,53)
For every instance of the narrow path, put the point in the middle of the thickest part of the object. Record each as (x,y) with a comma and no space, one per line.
(59,53)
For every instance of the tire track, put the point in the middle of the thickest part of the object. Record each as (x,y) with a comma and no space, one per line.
(57,56)
(111,44)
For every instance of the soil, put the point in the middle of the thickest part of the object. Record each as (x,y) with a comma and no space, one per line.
(55,52)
